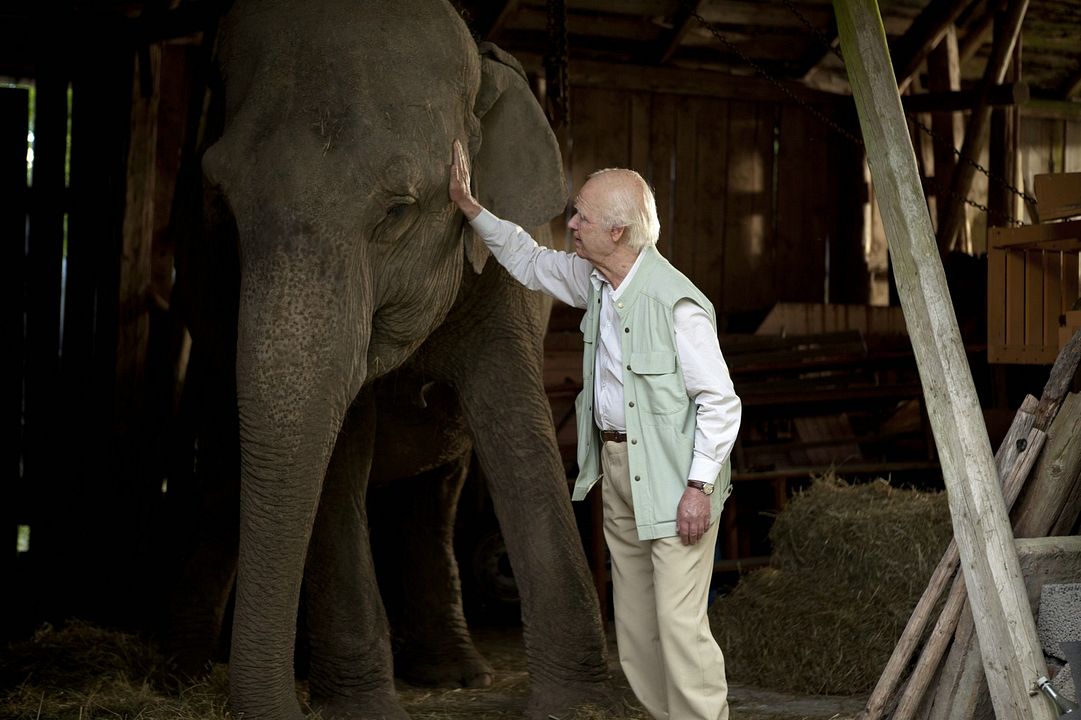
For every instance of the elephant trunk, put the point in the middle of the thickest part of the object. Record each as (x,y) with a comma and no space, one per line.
(299,365)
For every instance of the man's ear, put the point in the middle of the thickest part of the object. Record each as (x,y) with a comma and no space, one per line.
(617,233)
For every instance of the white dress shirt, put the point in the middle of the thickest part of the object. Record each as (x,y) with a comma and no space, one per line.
(569,278)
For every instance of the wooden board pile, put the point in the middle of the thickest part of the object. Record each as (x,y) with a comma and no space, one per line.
(1039,463)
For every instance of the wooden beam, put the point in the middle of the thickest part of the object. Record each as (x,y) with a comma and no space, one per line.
(592,73)
(1005,95)
(681,23)
(911,49)
(977,123)
(944,76)
(1012,654)
(978,33)
(1002,203)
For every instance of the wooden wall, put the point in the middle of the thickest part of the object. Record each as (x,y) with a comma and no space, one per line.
(759,201)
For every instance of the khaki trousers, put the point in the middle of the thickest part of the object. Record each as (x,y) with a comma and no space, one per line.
(660,591)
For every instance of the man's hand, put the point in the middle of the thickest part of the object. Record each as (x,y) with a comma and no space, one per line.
(692,515)
(459,183)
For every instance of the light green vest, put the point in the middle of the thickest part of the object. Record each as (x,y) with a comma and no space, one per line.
(660,417)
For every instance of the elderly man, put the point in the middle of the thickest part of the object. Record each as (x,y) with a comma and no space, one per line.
(657,417)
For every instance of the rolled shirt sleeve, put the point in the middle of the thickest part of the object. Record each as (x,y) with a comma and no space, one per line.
(709,385)
(562,275)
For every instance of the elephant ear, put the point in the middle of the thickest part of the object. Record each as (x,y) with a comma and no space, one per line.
(518,171)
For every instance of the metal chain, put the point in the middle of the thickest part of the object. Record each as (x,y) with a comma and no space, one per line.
(556,64)
(822,37)
(780,86)
(945,142)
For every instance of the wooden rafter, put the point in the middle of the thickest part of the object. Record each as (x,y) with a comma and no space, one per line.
(998,96)
(911,49)
(681,23)
(978,32)
(997,65)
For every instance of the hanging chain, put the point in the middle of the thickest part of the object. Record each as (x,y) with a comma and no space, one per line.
(945,142)
(822,37)
(780,86)
(555,64)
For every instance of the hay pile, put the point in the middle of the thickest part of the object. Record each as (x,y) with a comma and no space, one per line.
(85,672)
(82,672)
(849,563)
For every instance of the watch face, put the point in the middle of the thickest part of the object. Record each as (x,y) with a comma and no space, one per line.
(707,489)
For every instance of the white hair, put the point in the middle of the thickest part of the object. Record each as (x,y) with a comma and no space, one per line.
(629,204)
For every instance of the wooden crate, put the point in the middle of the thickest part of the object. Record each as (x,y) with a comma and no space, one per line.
(1031,285)
(1032,278)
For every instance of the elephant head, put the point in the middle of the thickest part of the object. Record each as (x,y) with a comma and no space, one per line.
(332,167)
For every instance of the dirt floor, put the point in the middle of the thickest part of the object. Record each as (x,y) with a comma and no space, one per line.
(506,697)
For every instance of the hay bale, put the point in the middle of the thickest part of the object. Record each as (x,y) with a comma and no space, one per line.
(849,564)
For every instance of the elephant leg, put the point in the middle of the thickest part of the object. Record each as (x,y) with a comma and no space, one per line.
(506,408)
(418,574)
(351,668)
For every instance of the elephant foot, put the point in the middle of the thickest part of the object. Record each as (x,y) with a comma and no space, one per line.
(375,705)
(570,699)
(459,666)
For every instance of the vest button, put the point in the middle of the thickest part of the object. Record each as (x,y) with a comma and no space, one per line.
(626,330)
(628,367)
(634,442)
(632,403)
(637,478)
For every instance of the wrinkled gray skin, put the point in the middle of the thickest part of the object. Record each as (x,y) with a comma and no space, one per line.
(332,172)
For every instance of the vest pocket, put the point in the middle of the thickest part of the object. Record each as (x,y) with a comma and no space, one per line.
(659,388)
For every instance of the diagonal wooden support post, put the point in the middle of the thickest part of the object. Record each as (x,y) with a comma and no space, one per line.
(1012,656)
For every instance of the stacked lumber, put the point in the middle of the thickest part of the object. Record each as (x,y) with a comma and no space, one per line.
(1043,442)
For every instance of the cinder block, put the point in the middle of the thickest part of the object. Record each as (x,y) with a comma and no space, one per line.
(1059,616)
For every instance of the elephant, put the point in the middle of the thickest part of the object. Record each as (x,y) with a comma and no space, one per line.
(354,316)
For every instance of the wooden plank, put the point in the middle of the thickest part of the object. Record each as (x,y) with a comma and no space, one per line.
(1012,654)
(686,147)
(1015,297)
(996,299)
(1070,290)
(1039,236)
(1052,296)
(1034,299)
(662,147)
(712,272)
(14,126)
(639,132)
(1059,195)
(800,249)
(748,283)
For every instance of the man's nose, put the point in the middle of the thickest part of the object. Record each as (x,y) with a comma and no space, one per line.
(573,222)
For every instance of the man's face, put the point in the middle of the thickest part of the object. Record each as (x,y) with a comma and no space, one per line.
(593,241)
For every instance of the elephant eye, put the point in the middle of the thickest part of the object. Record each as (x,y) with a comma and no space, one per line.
(394,220)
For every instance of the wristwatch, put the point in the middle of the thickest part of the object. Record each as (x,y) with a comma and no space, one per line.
(706,488)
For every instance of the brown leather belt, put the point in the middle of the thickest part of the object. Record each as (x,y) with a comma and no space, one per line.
(613,436)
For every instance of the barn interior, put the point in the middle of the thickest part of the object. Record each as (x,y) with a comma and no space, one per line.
(739,114)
